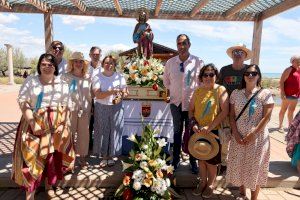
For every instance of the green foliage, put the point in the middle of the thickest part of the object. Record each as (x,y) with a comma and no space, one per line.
(67,53)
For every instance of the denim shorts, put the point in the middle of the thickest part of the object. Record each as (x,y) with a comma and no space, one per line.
(292,98)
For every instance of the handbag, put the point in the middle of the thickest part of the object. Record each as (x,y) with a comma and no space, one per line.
(224,130)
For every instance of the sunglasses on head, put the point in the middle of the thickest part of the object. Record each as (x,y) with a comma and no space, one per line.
(251,73)
(181,67)
(59,48)
(208,75)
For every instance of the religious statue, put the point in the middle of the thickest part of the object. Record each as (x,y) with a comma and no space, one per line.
(142,34)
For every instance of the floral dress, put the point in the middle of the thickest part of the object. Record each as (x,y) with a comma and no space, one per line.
(248,165)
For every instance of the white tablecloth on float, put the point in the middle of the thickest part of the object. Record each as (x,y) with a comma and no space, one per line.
(160,118)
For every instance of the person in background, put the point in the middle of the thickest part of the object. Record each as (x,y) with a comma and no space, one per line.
(289,90)
(181,79)
(208,108)
(293,142)
(94,69)
(80,85)
(57,48)
(44,145)
(249,151)
(230,77)
(109,88)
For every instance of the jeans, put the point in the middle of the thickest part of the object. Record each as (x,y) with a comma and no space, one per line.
(179,118)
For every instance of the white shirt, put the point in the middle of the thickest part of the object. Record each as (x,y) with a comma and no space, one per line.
(54,95)
(182,84)
(62,66)
(94,71)
(105,83)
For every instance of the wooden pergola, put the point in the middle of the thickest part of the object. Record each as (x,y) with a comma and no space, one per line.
(215,10)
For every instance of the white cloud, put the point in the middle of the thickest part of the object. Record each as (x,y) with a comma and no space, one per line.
(78,22)
(30,45)
(8,18)
(287,27)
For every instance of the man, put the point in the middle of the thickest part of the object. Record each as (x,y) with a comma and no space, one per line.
(95,63)
(94,69)
(57,49)
(181,79)
(230,77)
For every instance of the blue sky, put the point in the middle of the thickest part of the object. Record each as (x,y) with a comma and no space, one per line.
(280,39)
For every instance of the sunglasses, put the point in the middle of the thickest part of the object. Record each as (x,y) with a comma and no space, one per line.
(251,73)
(181,67)
(59,48)
(208,75)
(238,52)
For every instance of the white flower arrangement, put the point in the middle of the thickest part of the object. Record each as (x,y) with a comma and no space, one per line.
(147,171)
(142,72)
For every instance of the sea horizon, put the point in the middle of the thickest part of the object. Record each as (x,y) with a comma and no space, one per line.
(271,75)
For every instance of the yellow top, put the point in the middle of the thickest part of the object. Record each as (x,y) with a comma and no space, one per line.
(206,108)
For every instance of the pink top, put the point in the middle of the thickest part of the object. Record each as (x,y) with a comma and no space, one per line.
(182,84)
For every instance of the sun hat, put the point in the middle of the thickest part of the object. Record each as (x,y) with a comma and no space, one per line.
(240,46)
(294,57)
(203,146)
(77,56)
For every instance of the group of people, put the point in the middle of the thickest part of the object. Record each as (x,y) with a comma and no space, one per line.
(66,101)
(57,104)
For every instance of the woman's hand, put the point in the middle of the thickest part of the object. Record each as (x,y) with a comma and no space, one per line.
(282,95)
(204,130)
(196,128)
(239,139)
(250,137)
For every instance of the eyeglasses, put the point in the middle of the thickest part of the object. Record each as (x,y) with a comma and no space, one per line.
(251,73)
(59,48)
(208,75)
(182,43)
(181,67)
(44,65)
(238,52)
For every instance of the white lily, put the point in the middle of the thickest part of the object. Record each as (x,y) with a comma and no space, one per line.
(161,142)
(126,165)
(132,138)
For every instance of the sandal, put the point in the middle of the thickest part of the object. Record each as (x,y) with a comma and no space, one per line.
(110,163)
(199,189)
(207,193)
(103,163)
(281,130)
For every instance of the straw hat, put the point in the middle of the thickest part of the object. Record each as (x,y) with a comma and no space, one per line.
(203,146)
(240,46)
(78,56)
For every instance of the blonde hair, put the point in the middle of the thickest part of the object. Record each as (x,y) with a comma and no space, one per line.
(85,69)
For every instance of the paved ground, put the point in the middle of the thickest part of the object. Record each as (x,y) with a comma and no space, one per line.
(281,175)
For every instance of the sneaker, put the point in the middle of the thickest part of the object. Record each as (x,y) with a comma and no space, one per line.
(103,163)
(110,163)
(207,193)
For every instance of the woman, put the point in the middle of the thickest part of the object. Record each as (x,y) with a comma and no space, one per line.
(44,144)
(208,107)
(293,142)
(109,88)
(290,90)
(249,151)
(80,89)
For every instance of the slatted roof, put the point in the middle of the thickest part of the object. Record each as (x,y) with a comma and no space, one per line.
(217,10)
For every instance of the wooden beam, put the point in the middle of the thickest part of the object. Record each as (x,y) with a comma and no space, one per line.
(63,10)
(80,5)
(235,9)
(256,41)
(5,4)
(157,8)
(118,7)
(283,6)
(48,28)
(198,7)
(42,6)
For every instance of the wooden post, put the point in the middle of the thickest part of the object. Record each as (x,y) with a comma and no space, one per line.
(48,26)
(256,41)
(10,64)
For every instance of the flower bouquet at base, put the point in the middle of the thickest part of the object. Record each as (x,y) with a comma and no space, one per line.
(147,175)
